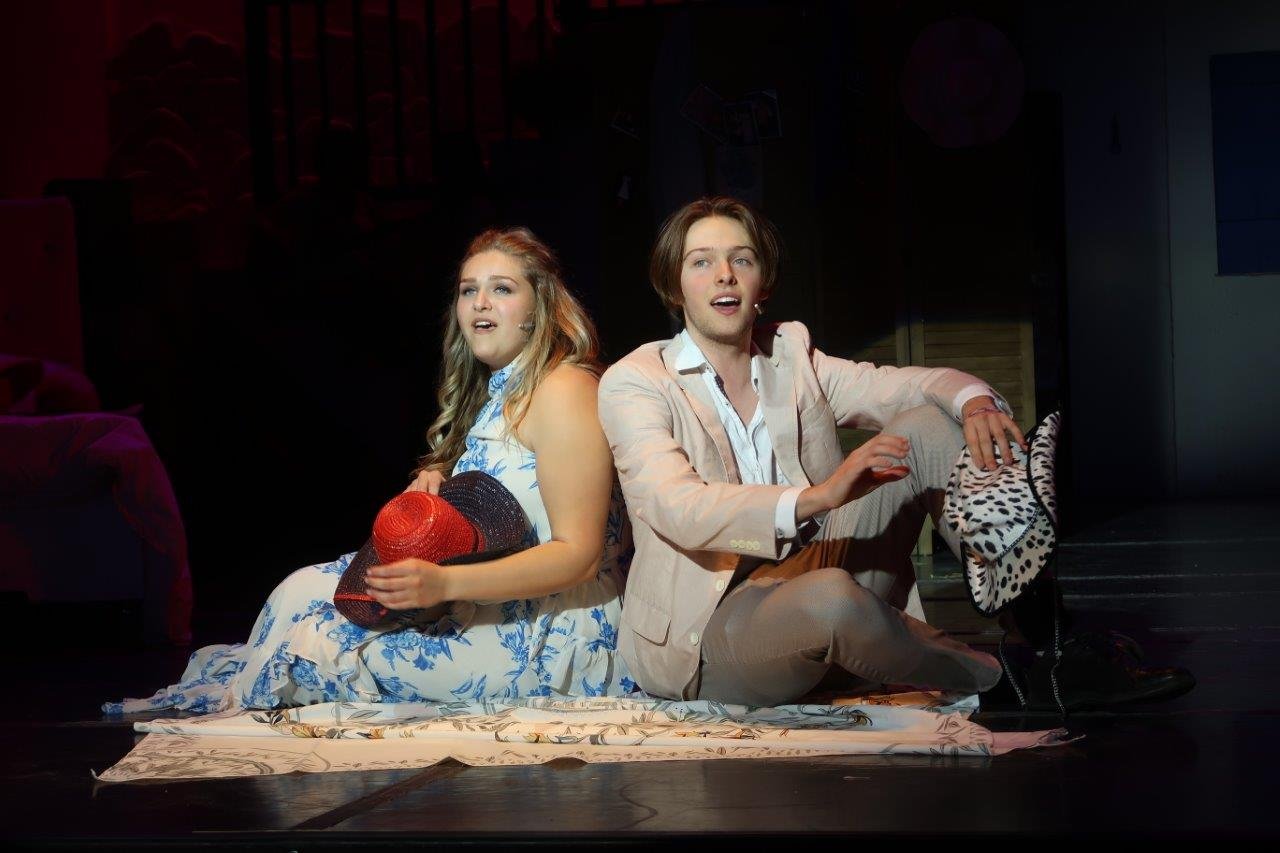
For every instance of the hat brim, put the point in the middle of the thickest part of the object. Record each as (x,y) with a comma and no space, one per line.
(351,596)
(491,509)
(1042,464)
(993,585)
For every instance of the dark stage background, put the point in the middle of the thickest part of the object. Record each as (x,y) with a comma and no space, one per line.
(271,198)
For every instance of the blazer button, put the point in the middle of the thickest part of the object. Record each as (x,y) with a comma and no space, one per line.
(720,585)
(693,638)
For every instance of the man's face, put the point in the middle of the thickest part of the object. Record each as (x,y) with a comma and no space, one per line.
(720,281)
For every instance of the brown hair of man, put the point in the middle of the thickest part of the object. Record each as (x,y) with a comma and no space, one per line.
(668,251)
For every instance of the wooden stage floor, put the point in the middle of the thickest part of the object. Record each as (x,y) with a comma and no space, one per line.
(1197,585)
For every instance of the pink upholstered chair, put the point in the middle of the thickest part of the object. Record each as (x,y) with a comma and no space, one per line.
(87,513)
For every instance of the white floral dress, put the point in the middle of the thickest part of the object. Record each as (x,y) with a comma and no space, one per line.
(302,650)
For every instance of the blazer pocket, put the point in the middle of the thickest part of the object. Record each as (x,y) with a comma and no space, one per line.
(646,620)
(818,414)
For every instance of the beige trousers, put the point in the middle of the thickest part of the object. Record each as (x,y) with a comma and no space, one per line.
(840,600)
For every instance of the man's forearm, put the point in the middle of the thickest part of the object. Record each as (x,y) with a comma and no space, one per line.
(812,501)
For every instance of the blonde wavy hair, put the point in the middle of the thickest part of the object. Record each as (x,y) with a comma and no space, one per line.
(562,334)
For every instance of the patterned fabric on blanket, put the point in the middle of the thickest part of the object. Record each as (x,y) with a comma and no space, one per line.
(350,736)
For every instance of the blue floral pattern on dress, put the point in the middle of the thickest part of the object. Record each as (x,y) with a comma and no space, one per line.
(304,651)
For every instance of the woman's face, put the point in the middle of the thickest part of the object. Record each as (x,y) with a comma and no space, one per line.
(494,298)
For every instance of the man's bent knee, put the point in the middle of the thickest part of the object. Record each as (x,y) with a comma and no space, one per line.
(830,599)
(927,421)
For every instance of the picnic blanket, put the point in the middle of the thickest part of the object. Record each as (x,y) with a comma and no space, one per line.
(338,736)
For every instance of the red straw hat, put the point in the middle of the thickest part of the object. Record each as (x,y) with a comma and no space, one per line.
(474,518)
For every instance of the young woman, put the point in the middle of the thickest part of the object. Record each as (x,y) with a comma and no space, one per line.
(517,401)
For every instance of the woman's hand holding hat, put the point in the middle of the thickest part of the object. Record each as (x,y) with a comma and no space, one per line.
(408,584)
(427,481)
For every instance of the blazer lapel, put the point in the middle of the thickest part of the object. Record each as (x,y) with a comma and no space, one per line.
(781,416)
(699,400)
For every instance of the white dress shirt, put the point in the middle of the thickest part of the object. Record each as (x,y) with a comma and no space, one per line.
(752,446)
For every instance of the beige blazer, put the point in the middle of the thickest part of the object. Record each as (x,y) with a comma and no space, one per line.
(691,516)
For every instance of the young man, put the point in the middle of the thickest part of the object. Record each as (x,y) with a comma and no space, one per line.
(763,554)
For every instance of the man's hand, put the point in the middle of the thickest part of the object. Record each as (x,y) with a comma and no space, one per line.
(427,481)
(875,463)
(985,427)
(407,584)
